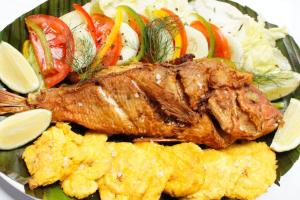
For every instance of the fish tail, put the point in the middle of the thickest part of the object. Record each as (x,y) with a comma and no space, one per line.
(12,103)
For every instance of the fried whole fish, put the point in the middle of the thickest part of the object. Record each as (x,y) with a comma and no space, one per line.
(203,101)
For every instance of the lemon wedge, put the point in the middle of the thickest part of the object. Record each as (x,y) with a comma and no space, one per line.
(15,72)
(287,137)
(21,128)
(283,88)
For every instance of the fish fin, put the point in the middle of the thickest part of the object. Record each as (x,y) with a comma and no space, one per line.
(12,103)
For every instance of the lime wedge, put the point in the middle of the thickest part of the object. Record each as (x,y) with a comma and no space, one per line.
(15,72)
(287,137)
(283,87)
(19,129)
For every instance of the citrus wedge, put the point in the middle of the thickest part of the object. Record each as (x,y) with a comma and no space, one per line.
(19,129)
(287,137)
(15,72)
(283,88)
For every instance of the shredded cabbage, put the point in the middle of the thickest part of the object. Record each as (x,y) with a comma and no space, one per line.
(259,45)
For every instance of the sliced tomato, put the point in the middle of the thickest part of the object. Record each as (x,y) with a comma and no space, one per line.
(113,54)
(59,39)
(103,26)
(181,31)
(100,27)
(222,49)
(63,69)
(42,50)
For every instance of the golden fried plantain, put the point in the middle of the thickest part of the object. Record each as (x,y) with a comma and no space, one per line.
(259,170)
(242,171)
(126,171)
(96,161)
(50,158)
(137,172)
(188,172)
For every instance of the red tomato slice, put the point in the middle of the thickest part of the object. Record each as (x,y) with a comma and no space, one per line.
(222,49)
(103,25)
(61,44)
(113,54)
(63,69)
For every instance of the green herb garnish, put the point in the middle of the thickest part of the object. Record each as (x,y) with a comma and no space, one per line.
(90,72)
(159,35)
(82,63)
(84,60)
(271,77)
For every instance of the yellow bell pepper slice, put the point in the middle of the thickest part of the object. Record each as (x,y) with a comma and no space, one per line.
(25,49)
(110,39)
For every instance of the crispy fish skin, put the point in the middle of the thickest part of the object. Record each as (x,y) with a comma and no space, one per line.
(244,113)
(86,163)
(202,101)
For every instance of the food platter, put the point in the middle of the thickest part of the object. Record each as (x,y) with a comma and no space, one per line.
(15,35)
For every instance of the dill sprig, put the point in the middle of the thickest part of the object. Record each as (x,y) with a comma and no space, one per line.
(158,39)
(271,77)
(90,72)
(81,63)
(83,60)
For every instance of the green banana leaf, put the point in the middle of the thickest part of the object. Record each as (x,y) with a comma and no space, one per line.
(11,162)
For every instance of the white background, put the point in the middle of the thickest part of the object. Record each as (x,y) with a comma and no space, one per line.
(280,12)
